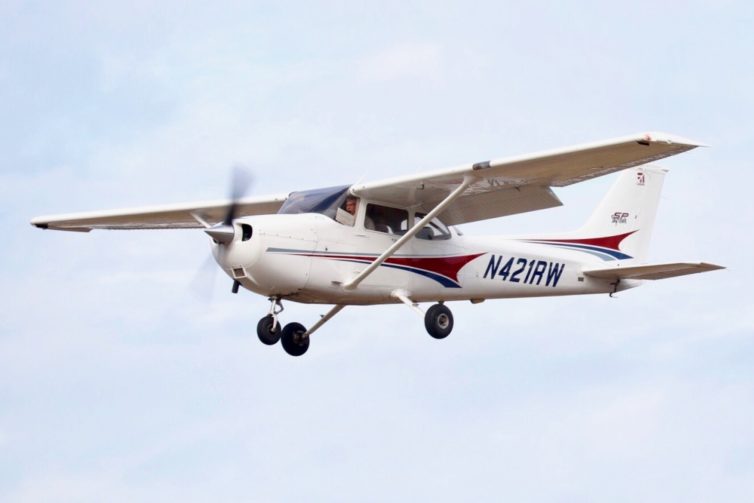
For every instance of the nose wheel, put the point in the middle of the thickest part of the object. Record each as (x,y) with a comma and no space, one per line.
(269,330)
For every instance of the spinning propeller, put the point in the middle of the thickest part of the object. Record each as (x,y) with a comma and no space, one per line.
(223,232)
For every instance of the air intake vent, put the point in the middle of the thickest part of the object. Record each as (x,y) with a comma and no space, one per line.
(246,232)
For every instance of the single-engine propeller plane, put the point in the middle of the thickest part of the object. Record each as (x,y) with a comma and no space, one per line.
(394,241)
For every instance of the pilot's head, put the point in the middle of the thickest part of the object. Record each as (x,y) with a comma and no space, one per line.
(351,204)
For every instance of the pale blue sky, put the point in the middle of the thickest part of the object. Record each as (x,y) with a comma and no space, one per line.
(118,384)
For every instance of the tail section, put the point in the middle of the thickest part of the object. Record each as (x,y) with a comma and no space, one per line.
(621,225)
(627,212)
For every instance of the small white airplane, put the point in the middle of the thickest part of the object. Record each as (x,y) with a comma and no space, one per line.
(392,241)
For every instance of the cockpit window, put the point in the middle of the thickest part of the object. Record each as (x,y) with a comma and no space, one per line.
(433,230)
(385,219)
(346,212)
(325,201)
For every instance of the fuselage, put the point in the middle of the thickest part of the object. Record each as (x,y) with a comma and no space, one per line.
(309,258)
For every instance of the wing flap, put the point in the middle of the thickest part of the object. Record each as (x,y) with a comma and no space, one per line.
(652,271)
(509,201)
(175,216)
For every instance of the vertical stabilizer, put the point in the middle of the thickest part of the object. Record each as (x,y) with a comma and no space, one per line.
(627,212)
(621,225)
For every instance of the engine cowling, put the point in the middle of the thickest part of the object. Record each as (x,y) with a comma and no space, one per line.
(270,254)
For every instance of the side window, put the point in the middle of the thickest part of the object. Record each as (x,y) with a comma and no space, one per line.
(385,219)
(433,230)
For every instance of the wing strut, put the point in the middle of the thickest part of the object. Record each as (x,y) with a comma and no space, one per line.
(467,180)
(403,296)
(325,318)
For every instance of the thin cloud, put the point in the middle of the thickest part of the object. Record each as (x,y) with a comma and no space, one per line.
(404,61)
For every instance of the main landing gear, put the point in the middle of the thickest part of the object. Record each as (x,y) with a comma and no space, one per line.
(295,339)
(438,320)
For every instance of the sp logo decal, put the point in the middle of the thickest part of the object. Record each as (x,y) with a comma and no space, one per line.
(619,217)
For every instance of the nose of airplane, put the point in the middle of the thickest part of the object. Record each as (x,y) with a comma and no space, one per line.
(240,253)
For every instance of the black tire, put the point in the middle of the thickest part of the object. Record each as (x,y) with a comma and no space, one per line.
(438,321)
(268,333)
(295,343)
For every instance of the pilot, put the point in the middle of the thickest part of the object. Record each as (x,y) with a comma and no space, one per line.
(351,205)
(346,214)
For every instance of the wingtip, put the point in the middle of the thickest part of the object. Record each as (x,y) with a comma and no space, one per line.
(662,137)
(44,223)
(712,267)
(39,222)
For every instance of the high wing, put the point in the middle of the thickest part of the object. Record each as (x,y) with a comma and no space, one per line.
(491,188)
(652,271)
(520,184)
(174,216)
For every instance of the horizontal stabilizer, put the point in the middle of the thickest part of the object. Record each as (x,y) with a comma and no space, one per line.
(651,271)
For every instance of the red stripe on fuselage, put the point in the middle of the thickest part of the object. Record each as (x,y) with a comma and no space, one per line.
(445,266)
(610,242)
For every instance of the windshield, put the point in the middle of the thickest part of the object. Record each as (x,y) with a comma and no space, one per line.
(433,230)
(325,201)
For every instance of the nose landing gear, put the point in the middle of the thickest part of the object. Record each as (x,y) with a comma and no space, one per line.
(268,328)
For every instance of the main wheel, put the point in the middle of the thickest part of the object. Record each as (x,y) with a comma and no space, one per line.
(438,321)
(268,330)
(293,339)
